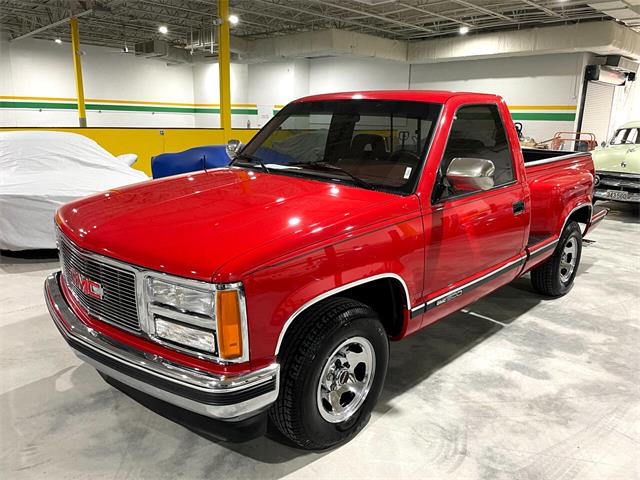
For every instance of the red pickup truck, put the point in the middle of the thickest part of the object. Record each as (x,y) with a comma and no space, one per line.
(271,288)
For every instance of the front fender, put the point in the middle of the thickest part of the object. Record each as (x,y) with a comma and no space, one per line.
(279,294)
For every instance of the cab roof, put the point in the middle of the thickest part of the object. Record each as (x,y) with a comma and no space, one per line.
(431,96)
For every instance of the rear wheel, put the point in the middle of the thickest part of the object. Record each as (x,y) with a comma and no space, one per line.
(333,364)
(555,277)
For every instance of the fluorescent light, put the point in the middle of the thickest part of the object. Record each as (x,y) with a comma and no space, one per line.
(464,30)
(233,19)
(57,40)
(163,29)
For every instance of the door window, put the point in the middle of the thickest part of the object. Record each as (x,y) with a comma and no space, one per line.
(477,132)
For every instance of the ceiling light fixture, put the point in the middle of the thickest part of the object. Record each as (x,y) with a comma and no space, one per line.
(464,30)
(163,29)
(57,40)
(233,19)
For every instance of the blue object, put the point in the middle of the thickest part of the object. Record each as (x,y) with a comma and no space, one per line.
(192,160)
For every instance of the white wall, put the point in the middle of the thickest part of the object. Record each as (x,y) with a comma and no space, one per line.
(544,80)
(345,74)
(206,90)
(45,69)
(37,68)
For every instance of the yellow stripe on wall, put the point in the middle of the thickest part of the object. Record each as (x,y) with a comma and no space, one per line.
(139,102)
(542,107)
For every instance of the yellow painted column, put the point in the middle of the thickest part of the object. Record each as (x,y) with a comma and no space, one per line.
(77,67)
(224,59)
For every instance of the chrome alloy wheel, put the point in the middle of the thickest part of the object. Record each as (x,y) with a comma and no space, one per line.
(568,259)
(346,379)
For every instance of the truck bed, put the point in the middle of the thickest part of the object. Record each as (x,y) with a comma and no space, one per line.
(559,182)
(536,156)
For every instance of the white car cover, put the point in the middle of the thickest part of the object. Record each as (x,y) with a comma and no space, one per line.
(41,170)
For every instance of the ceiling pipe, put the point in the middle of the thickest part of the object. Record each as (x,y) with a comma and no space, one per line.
(52,25)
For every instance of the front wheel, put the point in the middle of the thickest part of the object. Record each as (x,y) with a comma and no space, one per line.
(333,365)
(556,275)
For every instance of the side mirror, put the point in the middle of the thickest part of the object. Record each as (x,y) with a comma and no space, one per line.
(470,174)
(233,147)
(603,144)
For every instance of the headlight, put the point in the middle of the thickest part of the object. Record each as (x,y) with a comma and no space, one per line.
(198,317)
(186,299)
(596,181)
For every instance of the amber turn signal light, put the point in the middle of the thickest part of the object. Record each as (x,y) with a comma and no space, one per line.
(229,324)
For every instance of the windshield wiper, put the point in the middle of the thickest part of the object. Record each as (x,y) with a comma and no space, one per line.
(329,166)
(253,159)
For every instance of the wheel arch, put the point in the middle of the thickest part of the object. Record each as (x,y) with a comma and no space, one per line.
(370,292)
(581,214)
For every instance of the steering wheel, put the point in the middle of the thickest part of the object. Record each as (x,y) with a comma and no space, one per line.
(404,155)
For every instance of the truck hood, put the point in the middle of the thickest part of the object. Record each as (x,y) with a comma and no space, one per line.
(192,225)
(617,158)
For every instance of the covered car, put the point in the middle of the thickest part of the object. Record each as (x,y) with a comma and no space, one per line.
(41,170)
(618,166)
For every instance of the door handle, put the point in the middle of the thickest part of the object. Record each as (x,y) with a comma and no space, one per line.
(518,207)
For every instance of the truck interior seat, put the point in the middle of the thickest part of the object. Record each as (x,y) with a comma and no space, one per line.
(367,145)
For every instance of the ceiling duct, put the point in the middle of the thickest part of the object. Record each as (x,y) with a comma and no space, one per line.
(618,62)
(601,38)
(605,75)
(161,50)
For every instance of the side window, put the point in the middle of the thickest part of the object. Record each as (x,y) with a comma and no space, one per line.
(478,132)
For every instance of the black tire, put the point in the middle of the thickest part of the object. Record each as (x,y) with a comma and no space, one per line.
(551,277)
(305,353)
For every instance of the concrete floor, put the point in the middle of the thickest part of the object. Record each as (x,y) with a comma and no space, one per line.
(520,388)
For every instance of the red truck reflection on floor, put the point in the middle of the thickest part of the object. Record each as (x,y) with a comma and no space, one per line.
(271,288)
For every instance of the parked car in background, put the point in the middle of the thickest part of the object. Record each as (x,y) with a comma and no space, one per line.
(191,160)
(40,171)
(618,166)
(271,288)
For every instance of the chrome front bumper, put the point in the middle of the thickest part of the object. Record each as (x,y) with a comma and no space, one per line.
(612,183)
(230,398)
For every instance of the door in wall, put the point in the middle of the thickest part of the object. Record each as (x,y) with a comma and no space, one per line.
(597,110)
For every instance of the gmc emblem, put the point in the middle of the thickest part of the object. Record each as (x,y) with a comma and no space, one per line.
(85,285)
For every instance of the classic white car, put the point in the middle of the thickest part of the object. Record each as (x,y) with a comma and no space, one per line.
(618,166)
(41,170)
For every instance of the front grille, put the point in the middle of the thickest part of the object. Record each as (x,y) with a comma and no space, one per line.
(618,182)
(118,303)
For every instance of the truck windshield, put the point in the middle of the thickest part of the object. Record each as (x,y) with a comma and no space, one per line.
(379,145)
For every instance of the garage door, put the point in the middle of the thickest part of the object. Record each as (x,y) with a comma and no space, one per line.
(597,110)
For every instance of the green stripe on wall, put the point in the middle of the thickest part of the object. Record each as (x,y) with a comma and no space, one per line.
(56,106)
(545,116)
(122,108)
(558,117)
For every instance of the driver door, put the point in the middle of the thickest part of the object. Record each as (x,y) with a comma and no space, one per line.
(472,233)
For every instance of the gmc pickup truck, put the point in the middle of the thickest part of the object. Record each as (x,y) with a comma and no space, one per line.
(269,290)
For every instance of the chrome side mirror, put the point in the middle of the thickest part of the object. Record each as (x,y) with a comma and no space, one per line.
(233,147)
(470,174)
